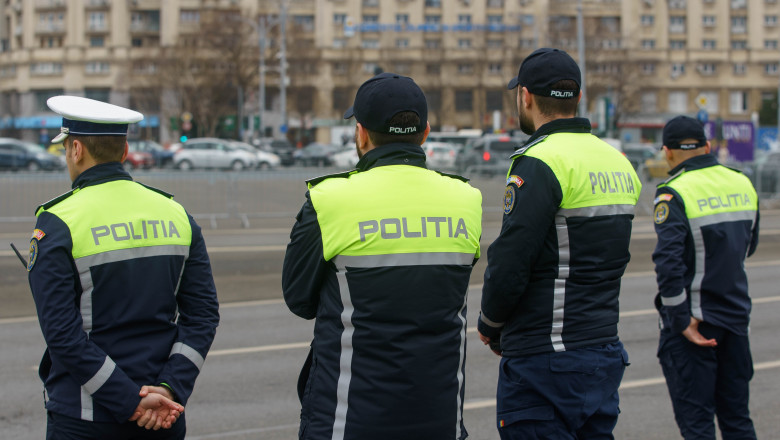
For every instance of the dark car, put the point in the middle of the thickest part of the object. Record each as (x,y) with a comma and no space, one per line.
(488,155)
(16,154)
(280,147)
(162,157)
(637,155)
(316,154)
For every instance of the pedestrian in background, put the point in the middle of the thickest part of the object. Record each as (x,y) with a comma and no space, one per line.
(381,258)
(706,219)
(550,294)
(123,289)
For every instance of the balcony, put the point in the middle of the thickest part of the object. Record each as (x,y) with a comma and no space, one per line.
(50,28)
(49,4)
(144,28)
(97,4)
(97,28)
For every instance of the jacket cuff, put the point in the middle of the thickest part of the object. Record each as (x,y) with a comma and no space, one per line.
(487,330)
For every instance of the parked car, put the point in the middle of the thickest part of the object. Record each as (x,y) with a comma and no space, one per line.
(162,157)
(440,155)
(347,157)
(280,147)
(212,153)
(489,154)
(315,154)
(138,159)
(638,154)
(265,160)
(460,138)
(16,154)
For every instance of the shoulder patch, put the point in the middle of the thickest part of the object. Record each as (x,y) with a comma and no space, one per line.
(33,254)
(661,213)
(314,181)
(38,234)
(509,199)
(158,191)
(676,175)
(514,179)
(454,176)
(520,151)
(663,198)
(53,201)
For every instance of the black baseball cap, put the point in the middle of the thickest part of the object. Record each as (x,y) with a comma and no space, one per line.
(385,95)
(681,128)
(545,67)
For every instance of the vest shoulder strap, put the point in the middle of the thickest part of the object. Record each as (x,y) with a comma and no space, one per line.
(314,181)
(454,176)
(53,201)
(520,151)
(157,190)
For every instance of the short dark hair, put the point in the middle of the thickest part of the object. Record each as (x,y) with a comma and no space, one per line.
(549,106)
(102,148)
(402,119)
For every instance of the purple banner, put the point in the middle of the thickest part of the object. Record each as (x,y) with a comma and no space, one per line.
(736,136)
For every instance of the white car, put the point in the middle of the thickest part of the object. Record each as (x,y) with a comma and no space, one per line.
(440,155)
(212,153)
(346,158)
(265,159)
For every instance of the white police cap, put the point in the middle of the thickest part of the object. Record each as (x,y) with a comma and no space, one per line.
(87,117)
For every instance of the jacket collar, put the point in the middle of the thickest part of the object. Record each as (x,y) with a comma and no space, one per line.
(101,173)
(566,125)
(695,163)
(392,154)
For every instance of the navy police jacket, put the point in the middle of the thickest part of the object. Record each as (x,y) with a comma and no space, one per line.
(124,293)
(706,218)
(381,257)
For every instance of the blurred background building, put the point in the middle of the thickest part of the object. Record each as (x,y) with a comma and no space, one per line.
(228,67)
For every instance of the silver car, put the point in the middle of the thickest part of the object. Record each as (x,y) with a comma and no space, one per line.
(212,153)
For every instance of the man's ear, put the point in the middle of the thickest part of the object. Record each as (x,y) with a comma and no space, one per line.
(427,131)
(77,149)
(527,98)
(124,154)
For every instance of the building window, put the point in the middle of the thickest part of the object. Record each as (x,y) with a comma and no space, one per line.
(142,67)
(495,19)
(677,24)
(527,43)
(342,98)
(648,68)
(738,4)
(738,102)
(370,3)
(706,68)
(41,96)
(740,69)
(433,3)
(708,44)
(649,102)
(370,67)
(610,43)
(433,69)
(464,100)
(96,21)
(494,68)
(648,44)
(677,4)
(678,102)
(770,20)
(96,42)
(371,19)
(678,69)
(434,99)
(770,68)
(402,43)
(97,68)
(495,3)
(676,44)
(339,19)
(433,19)
(495,44)
(739,44)
(770,44)
(465,69)
(51,42)
(738,25)
(370,43)
(189,17)
(45,68)
(464,43)
(137,42)
(432,43)
(464,19)
(647,20)
(402,68)
(402,19)
(339,43)
(98,94)
(494,100)
(339,68)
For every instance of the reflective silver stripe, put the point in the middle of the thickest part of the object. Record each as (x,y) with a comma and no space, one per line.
(414,259)
(559,289)
(345,358)
(674,300)
(461,365)
(489,322)
(700,252)
(188,352)
(85,264)
(86,405)
(596,211)
(101,377)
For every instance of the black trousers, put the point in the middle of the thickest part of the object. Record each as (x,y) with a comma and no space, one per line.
(59,427)
(704,382)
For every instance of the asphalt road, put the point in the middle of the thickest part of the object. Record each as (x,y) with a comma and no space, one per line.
(247,387)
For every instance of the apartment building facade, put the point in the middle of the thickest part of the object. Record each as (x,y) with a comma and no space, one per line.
(644,60)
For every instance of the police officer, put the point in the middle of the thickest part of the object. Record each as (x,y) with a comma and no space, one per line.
(123,289)
(550,294)
(381,257)
(706,218)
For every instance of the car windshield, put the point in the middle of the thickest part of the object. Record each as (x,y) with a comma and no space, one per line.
(33,148)
(503,145)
